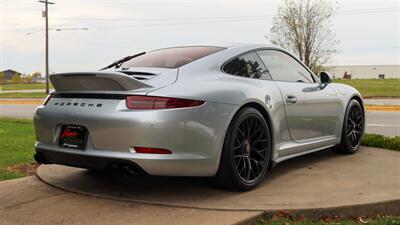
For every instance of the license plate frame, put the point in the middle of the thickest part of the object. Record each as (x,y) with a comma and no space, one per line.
(73,136)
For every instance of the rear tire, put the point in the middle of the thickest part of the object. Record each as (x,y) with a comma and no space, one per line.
(246,152)
(353,129)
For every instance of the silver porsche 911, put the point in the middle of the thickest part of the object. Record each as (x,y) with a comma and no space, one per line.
(230,112)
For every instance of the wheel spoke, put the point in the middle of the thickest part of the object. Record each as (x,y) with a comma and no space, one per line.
(250,147)
(354,125)
(241,132)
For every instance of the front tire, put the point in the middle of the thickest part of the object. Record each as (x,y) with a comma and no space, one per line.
(246,152)
(353,129)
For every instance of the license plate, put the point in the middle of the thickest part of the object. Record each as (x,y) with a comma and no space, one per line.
(73,136)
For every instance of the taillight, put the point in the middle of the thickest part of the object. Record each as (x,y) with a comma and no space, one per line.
(152,150)
(47,99)
(153,102)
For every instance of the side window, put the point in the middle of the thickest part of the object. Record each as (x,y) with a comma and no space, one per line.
(248,65)
(284,68)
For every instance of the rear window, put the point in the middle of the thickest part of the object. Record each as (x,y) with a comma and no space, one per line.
(171,57)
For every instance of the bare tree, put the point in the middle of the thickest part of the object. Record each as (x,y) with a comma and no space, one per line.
(304,28)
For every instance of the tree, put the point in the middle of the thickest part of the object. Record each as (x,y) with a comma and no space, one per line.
(27,78)
(16,78)
(36,74)
(304,28)
(2,78)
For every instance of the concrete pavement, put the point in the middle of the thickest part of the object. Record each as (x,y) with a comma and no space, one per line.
(30,201)
(316,181)
(315,185)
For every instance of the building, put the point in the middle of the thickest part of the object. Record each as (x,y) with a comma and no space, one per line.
(38,79)
(365,72)
(8,74)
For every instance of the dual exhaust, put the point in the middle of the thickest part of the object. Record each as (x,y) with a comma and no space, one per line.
(124,169)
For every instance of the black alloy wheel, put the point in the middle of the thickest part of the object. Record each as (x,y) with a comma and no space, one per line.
(246,152)
(353,129)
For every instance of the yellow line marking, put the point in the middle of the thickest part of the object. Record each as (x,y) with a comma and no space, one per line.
(383,108)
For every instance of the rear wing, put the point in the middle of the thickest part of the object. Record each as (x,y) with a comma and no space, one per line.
(95,81)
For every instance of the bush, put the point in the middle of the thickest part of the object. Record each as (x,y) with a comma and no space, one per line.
(27,79)
(380,141)
(16,79)
(2,78)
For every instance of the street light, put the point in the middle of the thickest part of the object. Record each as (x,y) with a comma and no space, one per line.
(47,47)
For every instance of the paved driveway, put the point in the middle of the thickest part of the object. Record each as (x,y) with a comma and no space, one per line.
(29,201)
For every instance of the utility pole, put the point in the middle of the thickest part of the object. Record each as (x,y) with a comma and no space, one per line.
(46,15)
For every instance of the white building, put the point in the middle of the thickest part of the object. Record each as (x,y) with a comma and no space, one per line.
(365,72)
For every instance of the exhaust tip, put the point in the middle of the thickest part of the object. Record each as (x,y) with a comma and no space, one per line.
(125,170)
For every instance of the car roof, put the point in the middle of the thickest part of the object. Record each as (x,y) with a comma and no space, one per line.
(228,45)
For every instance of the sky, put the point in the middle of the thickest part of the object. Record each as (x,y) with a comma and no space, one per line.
(95,33)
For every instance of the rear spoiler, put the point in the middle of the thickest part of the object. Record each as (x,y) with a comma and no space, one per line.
(95,81)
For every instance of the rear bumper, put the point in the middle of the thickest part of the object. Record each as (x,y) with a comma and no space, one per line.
(194,135)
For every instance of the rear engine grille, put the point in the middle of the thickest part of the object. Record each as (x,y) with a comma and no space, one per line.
(89,95)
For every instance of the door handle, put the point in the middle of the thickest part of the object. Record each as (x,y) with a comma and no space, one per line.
(291,99)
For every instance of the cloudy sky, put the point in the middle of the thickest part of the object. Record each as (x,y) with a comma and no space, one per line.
(368,30)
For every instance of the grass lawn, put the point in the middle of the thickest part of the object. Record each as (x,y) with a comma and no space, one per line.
(374,87)
(11,87)
(376,221)
(16,147)
(23,95)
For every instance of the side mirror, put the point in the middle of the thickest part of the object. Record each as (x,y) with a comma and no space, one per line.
(325,78)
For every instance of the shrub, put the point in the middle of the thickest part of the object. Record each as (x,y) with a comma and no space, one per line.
(2,78)
(16,79)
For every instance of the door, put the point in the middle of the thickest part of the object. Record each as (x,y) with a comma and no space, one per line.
(312,112)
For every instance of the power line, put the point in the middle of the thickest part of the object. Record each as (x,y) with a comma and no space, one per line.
(370,49)
(347,12)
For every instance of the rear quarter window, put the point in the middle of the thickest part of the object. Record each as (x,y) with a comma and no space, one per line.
(171,57)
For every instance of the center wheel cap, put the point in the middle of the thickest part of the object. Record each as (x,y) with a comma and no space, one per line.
(247,147)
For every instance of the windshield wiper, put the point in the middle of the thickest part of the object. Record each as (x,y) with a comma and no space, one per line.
(118,63)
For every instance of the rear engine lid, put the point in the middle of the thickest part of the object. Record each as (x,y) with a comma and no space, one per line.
(123,81)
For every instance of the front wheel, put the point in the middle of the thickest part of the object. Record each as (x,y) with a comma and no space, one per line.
(353,129)
(246,152)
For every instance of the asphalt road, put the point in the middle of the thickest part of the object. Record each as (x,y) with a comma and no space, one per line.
(381,122)
(17,111)
(378,122)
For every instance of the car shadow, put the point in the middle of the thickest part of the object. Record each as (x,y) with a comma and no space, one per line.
(148,184)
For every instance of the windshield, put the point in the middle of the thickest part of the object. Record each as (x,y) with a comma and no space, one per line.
(171,57)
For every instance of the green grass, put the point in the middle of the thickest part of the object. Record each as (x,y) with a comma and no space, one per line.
(386,220)
(17,140)
(23,95)
(380,141)
(11,87)
(374,87)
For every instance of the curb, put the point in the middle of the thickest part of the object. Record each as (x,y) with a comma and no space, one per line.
(391,207)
